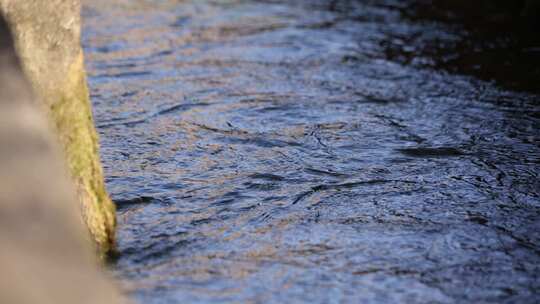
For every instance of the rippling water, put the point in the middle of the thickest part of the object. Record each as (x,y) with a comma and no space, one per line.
(274,151)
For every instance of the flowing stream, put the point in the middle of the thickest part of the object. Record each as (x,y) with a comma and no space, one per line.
(284,151)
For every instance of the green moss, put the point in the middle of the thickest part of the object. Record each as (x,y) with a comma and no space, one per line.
(72,118)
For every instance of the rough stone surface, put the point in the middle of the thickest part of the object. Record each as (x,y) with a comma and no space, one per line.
(47,39)
(45,252)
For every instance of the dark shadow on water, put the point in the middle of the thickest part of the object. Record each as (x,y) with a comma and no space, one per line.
(497,40)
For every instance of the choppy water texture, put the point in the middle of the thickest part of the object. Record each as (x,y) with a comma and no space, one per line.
(280,151)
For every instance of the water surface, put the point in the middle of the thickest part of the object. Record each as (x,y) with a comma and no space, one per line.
(283,151)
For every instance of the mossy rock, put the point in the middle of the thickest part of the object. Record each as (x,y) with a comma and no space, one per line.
(47,40)
(45,250)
